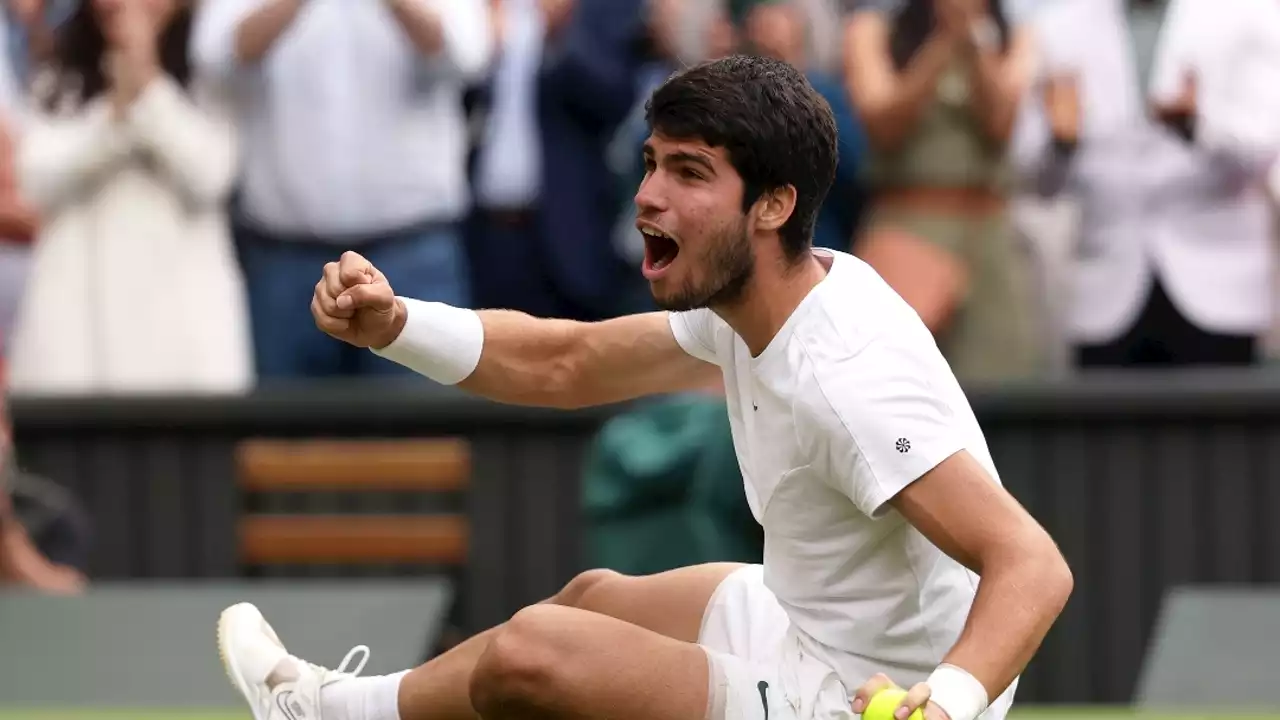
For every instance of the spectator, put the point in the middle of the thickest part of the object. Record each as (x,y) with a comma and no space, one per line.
(677,33)
(937,84)
(354,139)
(31,32)
(1161,120)
(780,29)
(17,221)
(589,83)
(133,286)
(22,562)
(504,249)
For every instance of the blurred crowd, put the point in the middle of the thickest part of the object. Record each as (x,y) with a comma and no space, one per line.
(1052,184)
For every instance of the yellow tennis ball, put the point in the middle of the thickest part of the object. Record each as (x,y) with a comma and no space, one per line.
(883,704)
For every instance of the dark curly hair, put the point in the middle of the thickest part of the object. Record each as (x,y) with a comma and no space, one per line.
(775,128)
(79,48)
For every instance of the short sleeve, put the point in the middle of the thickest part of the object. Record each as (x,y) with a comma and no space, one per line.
(891,423)
(695,331)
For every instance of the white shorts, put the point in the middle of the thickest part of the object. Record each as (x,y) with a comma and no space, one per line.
(759,670)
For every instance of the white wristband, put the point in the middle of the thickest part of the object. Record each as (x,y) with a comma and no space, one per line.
(439,341)
(957,692)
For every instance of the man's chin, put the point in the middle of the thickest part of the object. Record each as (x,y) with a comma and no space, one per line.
(672,302)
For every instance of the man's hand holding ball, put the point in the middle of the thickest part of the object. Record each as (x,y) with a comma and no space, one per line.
(880,699)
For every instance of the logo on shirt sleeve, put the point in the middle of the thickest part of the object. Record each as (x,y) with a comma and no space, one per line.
(903,445)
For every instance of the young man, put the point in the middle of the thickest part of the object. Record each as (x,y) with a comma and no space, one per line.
(861,458)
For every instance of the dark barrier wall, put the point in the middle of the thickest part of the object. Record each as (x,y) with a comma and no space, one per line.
(1146,482)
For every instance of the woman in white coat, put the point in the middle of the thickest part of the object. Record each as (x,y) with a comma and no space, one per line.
(134,286)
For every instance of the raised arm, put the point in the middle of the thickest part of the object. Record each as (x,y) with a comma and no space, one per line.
(504,355)
(229,34)
(558,363)
(890,102)
(1001,78)
(191,138)
(59,158)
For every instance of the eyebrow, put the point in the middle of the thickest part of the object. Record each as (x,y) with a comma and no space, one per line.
(682,156)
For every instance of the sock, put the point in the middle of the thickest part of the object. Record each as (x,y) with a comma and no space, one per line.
(363,698)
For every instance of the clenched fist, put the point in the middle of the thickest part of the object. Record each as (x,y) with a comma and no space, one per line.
(354,303)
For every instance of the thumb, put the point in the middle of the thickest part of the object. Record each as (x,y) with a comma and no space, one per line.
(374,296)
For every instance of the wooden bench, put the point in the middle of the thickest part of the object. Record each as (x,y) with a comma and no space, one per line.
(433,465)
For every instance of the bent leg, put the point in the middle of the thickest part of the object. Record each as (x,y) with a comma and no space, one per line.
(670,604)
(551,661)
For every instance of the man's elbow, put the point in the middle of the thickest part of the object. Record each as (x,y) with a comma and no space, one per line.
(1064,582)
(1054,579)
(1033,561)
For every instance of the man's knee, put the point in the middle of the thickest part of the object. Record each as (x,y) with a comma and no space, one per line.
(517,674)
(584,584)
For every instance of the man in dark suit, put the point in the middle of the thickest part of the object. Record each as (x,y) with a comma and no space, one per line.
(544,247)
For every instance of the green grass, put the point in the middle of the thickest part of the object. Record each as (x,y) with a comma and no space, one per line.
(1028,714)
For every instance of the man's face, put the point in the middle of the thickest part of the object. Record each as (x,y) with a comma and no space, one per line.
(697,241)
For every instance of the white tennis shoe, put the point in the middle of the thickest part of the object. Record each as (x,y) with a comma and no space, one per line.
(277,685)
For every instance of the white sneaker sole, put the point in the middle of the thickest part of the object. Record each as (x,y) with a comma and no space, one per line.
(244,615)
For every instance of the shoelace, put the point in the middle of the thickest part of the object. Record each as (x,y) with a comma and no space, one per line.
(342,666)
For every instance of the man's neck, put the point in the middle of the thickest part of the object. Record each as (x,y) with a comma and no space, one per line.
(769,300)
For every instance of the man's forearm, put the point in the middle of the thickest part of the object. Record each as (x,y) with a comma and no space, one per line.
(502,355)
(1018,600)
(259,31)
(525,361)
(517,359)
(421,23)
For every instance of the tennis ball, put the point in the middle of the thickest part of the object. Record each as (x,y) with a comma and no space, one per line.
(883,704)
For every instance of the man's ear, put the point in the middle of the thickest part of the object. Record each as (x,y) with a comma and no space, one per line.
(774,208)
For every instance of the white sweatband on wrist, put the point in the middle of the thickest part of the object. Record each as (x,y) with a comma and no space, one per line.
(957,692)
(439,341)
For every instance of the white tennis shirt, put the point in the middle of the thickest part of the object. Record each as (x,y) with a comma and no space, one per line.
(850,403)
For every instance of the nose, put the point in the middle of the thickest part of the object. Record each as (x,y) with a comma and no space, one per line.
(651,197)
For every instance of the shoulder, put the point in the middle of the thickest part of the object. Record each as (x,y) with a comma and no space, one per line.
(699,333)
(884,417)
(870,357)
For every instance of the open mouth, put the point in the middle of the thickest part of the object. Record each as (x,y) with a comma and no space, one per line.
(660,250)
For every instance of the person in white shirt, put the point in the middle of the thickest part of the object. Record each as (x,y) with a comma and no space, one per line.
(128,161)
(880,504)
(354,136)
(1160,118)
